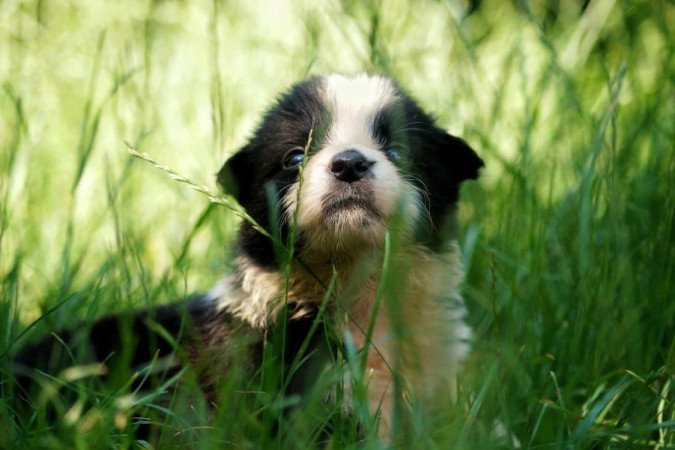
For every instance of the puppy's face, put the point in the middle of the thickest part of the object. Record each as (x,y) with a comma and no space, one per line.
(374,154)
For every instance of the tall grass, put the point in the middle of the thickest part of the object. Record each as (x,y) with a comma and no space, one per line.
(568,237)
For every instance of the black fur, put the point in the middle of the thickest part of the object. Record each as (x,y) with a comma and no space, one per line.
(212,340)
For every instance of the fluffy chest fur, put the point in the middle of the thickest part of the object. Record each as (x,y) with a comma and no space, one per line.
(414,330)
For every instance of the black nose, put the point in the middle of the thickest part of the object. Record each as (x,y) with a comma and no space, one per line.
(350,166)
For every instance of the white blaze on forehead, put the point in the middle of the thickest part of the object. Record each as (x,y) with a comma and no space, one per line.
(353,103)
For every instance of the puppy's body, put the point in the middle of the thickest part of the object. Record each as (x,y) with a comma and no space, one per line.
(369,197)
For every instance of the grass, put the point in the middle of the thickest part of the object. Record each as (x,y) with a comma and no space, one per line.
(568,237)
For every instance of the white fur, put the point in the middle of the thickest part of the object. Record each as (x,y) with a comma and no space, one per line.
(353,103)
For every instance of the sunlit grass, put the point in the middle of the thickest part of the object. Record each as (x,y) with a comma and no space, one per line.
(568,236)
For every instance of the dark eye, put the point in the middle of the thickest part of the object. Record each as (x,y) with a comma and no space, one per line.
(294,157)
(393,155)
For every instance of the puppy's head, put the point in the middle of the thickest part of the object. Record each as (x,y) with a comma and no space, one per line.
(374,155)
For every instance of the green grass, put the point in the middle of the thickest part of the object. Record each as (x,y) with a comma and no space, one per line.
(568,237)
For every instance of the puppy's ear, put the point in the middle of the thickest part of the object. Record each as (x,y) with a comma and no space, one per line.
(236,176)
(461,160)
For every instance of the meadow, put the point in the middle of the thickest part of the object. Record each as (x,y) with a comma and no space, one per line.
(568,237)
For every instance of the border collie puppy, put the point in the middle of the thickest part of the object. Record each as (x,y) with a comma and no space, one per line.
(358,188)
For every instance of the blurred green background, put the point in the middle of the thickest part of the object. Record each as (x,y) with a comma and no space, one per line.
(568,235)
